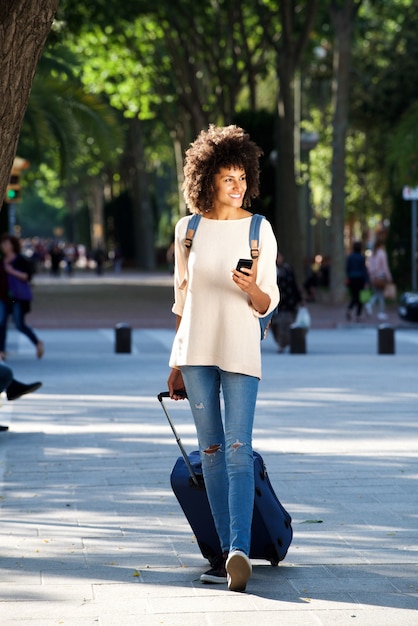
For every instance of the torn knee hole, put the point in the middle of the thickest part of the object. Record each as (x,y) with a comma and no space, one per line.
(213,449)
(235,446)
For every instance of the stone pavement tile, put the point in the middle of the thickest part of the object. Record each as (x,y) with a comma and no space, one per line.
(311,585)
(40,595)
(361,616)
(398,573)
(166,583)
(144,550)
(208,601)
(44,620)
(54,550)
(168,619)
(63,609)
(303,603)
(21,529)
(389,600)
(272,618)
(13,574)
(393,556)
(96,573)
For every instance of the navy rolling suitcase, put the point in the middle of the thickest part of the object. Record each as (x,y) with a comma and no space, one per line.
(271,531)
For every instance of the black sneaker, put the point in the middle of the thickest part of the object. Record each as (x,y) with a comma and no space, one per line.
(217,574)
(16,389)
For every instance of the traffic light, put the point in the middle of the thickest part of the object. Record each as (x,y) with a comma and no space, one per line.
(13,191)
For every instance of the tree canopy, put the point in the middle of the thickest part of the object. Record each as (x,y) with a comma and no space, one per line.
(131,84)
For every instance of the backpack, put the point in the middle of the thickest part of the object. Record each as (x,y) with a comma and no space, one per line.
(254,251)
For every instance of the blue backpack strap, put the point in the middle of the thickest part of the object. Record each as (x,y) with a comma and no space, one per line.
(255,234)
(191,229)
(192,225)
(254,247)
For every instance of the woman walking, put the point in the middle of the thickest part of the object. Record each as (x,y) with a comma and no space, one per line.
(217,343)
(380,276)
(15,293)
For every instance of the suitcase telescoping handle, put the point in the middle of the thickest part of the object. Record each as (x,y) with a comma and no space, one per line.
(161,396)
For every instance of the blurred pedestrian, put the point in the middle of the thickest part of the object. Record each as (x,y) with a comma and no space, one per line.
(325,272)
(117,259)
(56,256)
(311,282)
(357,278)
(100,257)
(290,298)
(15,293)
(14,389)
(70,257)
(380,276)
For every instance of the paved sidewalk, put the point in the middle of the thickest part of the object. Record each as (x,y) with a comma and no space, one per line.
(92,535)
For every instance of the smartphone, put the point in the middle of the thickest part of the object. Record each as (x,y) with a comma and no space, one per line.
(248,263)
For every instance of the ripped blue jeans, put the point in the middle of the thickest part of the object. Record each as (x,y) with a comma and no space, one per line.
(225,448)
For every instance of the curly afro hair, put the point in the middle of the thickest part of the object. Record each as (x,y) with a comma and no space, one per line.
(225,146)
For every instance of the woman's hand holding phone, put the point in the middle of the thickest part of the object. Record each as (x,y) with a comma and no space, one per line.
(244,263)
(242,275)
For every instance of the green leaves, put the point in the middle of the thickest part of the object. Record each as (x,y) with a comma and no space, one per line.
(403,149)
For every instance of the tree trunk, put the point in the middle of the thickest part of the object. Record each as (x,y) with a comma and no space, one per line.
(141,202)
(287,208)
(296,27)
(72,197)
(24,27)
(342,19)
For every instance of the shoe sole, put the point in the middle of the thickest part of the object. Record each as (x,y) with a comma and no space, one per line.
(239,571)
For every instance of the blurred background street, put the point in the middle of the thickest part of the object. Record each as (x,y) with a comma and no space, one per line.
(142,300)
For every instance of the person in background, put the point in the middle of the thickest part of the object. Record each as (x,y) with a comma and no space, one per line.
(14,389)
(311,282)
(117,259)
(56,255)
(325,272)
(380,276)
(100,257)
(290,298)
(70,257)
(217,343)
(357,279)
(15,293)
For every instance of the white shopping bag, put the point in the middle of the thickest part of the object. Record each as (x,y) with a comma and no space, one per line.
(303,318)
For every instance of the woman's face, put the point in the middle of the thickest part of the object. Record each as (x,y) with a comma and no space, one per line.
(6,246)
(230,185)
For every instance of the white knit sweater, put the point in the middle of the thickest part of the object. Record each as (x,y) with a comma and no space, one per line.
(219,326)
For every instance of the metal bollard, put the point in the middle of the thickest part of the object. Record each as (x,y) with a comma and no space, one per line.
(297,340)
(386,339)
(122,338)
